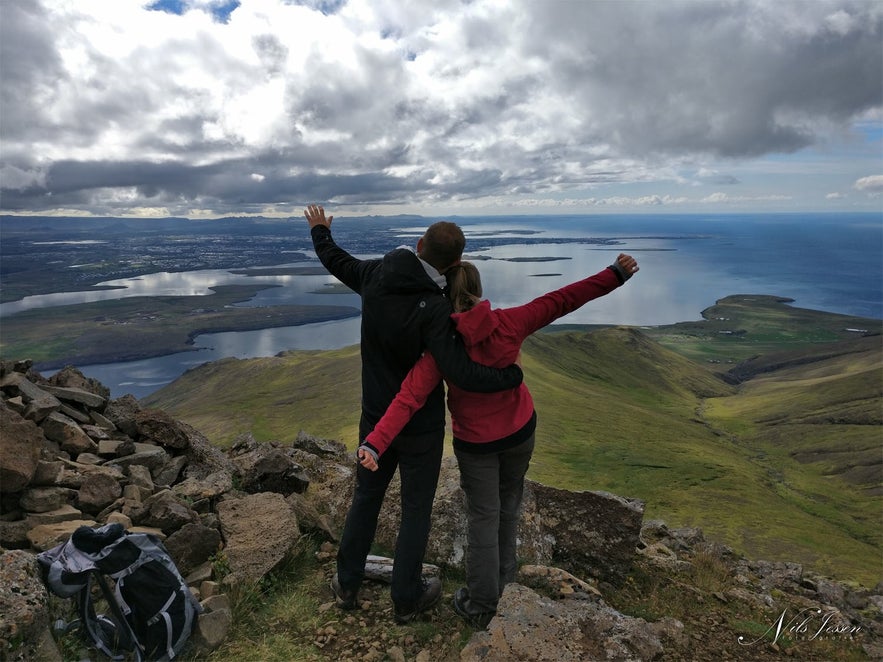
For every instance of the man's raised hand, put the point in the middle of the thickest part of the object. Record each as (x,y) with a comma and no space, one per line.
(315,215)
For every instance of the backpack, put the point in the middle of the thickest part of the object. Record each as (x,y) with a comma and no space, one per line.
(152,611)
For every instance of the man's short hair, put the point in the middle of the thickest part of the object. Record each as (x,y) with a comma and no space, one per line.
(443,244)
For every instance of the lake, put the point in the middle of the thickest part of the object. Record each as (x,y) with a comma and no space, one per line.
(822,261)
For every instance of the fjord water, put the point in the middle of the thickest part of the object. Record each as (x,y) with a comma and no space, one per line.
(830,262)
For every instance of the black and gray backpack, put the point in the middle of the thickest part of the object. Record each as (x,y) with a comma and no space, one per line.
(151,610)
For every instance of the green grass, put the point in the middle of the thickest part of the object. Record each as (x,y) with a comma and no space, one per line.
(271,398)
(621,413)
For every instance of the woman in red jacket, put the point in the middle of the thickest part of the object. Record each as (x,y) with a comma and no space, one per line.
(493,432)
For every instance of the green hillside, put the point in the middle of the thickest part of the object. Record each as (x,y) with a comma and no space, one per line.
(773,467)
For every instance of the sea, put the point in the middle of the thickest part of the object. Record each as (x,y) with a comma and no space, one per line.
(829,262)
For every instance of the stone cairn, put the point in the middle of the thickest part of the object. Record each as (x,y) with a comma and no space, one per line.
(70,456)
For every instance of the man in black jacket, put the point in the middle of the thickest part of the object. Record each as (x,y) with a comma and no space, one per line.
(404,312)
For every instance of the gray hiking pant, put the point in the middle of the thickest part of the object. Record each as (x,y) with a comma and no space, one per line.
(494,485)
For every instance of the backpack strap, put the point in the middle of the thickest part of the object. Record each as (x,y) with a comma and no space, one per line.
(123,636)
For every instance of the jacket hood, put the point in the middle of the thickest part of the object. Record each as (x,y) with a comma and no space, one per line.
(476,324)
(402,268)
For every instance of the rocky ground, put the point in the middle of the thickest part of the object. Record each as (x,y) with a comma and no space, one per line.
(721,619)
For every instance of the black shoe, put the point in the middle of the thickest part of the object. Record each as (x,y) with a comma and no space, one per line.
(463,607)
(343,599)
(427,600)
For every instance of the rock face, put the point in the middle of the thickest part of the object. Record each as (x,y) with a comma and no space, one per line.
(20,450)
(589,533)
(260,529)
(529,626)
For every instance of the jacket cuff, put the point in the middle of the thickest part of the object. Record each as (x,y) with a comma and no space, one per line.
(621,275)
(371,450)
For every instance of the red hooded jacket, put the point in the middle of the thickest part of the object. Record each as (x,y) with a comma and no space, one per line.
(492,337)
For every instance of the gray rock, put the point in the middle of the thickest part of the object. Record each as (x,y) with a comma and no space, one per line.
(20,450)
(23,603)
(154,459)
(164,511)
(529,626)
(121,413)
(47,473)
(44,499)
(168,474)
(89,458)
(63,514)
(102,421)
(211,630)
(70,377)
(192,545)
(97,491)
(14,534)
(74,413)
(210,487)
(156,426)
(139,475)
(328,448)
(594,533)
(47,536)
(78,395)
(38,403)
(267,468)
(67,434)
(260,530)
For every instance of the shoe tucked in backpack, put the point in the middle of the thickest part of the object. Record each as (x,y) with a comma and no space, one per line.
(152,612)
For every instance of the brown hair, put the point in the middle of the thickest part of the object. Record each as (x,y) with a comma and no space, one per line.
(464,286)
(443,244)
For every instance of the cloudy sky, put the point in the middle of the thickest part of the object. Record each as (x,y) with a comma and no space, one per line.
(205,108)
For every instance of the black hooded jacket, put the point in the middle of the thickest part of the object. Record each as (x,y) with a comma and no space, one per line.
(404,312)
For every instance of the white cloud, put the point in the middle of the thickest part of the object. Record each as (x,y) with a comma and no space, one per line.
(835,196)
(872,184)
(378,102)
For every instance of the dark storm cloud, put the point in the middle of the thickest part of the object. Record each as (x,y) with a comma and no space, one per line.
(733,79)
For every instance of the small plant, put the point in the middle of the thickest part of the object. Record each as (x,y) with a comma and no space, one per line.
(710,572)
(220,565)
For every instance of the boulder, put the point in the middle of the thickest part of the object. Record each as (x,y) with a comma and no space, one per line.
(47,536)
(267,468)
(79,396)
(121,413)
(14,534)
(211,630)
(66,433)
(326,448)
(20,450)
(24,614)
(593,533)
(97,491)
(157,427)
(529,626)
(192,545)
(165,511)
(38,403)
(260,530)
(44,499)
(70,377)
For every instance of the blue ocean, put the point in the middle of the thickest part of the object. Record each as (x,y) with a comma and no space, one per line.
(830,262)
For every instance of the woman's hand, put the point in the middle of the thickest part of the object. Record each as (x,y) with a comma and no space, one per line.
(366,459)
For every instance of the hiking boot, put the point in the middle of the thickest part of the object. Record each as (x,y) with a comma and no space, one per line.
(343,599)
(464,608)
(427,600)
